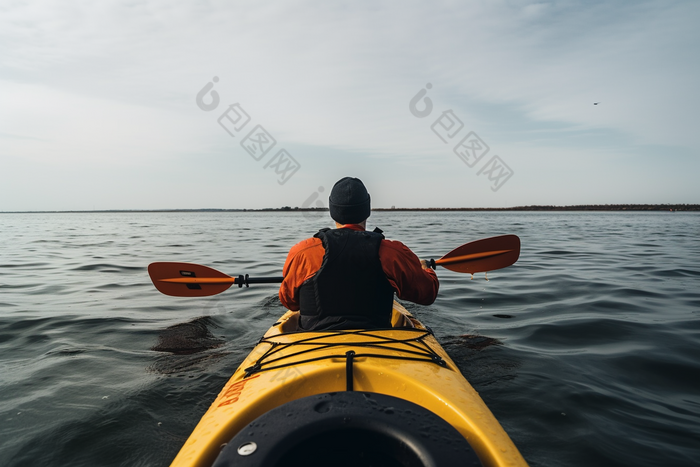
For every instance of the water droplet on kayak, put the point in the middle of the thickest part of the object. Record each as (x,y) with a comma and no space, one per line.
(247,449)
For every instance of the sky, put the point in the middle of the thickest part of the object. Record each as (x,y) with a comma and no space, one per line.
(183,105)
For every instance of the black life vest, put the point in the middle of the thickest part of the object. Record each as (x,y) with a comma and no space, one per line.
(350,290)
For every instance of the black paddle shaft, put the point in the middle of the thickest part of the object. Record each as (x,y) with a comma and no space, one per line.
(240,280)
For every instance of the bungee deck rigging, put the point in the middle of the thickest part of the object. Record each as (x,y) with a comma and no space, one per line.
(410,348)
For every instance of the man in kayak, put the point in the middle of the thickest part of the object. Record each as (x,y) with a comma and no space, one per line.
(345,278)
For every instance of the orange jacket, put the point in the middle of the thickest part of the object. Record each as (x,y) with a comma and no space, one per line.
(401,266)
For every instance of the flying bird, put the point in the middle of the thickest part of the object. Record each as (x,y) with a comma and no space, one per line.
(596,103)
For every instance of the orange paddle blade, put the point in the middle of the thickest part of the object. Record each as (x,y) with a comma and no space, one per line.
(483,255)
(188,280)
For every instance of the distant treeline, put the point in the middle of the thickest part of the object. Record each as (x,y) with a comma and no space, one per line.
(580,207)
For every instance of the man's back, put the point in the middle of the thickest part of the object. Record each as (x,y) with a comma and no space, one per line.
(401,270)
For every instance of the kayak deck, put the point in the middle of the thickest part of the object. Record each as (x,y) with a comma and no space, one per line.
(405,362)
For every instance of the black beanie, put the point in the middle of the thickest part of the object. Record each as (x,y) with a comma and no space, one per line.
(349,201)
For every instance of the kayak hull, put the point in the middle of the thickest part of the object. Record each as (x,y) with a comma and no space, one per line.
(403,362)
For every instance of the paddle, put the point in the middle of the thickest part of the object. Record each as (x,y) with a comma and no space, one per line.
(484,255)
(194,280)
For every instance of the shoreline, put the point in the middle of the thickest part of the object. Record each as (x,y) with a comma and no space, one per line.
(534,208)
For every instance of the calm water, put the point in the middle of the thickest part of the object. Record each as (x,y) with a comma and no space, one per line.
(586,350)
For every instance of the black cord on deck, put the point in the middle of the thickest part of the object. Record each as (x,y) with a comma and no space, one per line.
(348,369)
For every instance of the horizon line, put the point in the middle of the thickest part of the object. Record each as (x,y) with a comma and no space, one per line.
(577,207)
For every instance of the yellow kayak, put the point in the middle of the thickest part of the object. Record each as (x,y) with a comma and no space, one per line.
(389,397)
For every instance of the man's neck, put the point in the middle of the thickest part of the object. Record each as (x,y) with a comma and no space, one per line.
(362,225)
